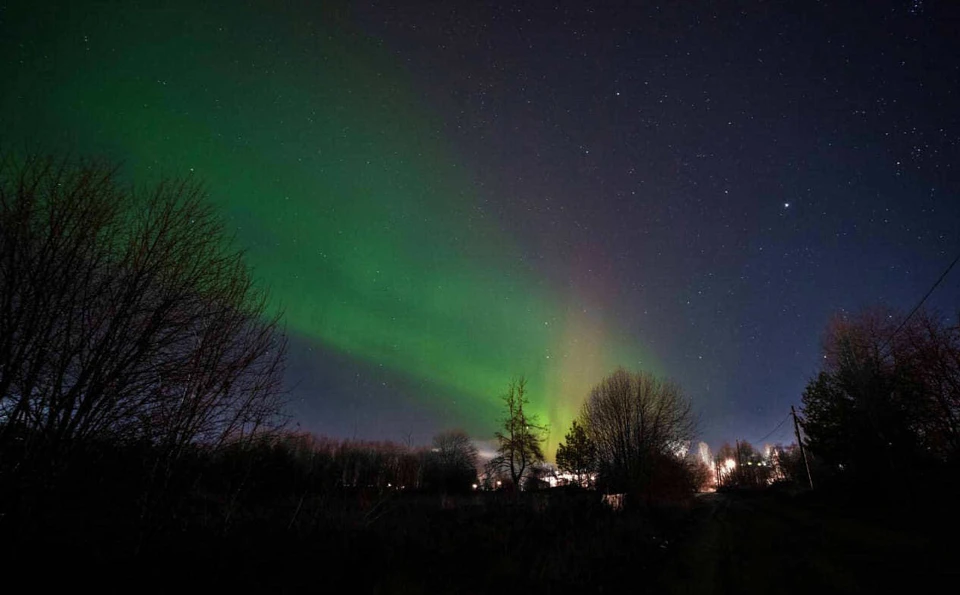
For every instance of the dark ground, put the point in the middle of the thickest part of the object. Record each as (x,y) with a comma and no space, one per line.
(775,543)
(552,542)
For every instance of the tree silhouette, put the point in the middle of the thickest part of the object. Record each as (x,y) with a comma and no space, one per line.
(887,399)
(125,316)
(633,420)
(520,440)
(452,463)
(577,455)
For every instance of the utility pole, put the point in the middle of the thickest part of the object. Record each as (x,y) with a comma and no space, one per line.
(803,452)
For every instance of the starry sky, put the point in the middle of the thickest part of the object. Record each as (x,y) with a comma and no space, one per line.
(443,196)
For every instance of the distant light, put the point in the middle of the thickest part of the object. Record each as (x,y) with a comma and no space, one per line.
(474,486)
(786,205)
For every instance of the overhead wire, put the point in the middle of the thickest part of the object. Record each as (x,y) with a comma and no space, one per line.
(919,304)
(774,429)
(892,335)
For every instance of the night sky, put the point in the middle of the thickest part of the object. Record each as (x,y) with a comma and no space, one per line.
(443,198)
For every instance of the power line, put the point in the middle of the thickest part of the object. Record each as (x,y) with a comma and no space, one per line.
(920,303)
(760,441)
(882,347)
(890,338)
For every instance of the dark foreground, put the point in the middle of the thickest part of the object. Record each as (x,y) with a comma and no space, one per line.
(813,543)
(546,542)
(549,542)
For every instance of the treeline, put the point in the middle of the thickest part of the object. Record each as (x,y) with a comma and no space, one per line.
(746,467)
(884,410)
(305,464)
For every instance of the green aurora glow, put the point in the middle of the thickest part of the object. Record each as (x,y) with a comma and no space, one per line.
(365,223)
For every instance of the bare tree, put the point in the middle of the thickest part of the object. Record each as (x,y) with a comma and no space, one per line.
(126,315)
(452,465)
(726,465)
(632,420)
(700,474)
(520,441)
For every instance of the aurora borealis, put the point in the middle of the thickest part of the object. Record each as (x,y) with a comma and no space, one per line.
(358,216)
(442,199)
